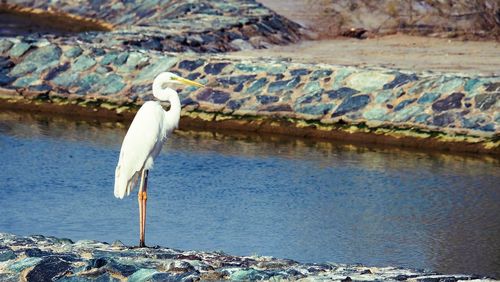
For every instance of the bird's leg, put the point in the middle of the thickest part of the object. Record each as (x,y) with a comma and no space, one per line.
(139,199)
(142,198)
(142,207)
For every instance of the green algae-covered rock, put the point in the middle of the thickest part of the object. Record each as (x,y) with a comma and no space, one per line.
(44,55)
(368,81)
(5,45)
(73,52)
(113,83)
(83,63)
(149,72)
(7,254)
(19,49)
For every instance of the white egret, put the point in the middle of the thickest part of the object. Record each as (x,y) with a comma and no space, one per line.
(144,139)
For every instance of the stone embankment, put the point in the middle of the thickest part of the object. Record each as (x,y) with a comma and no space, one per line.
(40,258)
(110,73)
(256,94)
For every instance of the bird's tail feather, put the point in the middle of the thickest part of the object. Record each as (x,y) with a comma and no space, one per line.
(123,184)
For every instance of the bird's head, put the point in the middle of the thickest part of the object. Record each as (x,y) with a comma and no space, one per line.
(165,82)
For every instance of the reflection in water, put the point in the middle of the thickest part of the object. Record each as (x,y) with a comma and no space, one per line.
(244,194)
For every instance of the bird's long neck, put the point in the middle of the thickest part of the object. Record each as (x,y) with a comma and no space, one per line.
(174,113)
(168,94)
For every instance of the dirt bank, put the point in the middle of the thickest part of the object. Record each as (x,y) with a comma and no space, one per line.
(399,51)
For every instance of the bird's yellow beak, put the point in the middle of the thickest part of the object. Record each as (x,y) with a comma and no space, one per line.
(187,81)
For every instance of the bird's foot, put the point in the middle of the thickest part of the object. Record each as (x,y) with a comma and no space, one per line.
(140,246)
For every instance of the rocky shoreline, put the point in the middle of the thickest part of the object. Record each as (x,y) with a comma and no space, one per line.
(45,258)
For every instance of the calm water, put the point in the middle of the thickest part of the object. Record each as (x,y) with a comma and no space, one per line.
(308,201)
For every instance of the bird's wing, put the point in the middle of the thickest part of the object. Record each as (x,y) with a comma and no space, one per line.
(140,143)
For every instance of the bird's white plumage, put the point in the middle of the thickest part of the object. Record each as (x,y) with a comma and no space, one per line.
(147,134)
(141,145)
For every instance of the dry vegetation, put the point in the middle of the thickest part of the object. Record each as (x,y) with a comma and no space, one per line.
(472,19)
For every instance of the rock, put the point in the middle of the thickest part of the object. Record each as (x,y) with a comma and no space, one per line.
(136,60)
(448,85)
(341,93)
(23,68)
(312,87)
(401,277)
(353,103)
(121,59)
(52,73)
(368,81)
(113,83)
(444,119)
(83,63)
(6,254)
(98,51)
(490,87)
(48,269)
(142,275)
(248,275)
(25,81)
(23,264)
(5,64)
(153,43)
(485,101)
(249,68)
(428,97)
(236,104)
(73,52)
(19,49)
(238,88)
(43,55)
(5,45)
(471,84)
(5,79)
(422,118)
(180,267)
(257,85)
(266,99)
(453,101)
(299,72)
(213,96)
(89,82)
(403,104)
(376,113)
(276,69)
(277,108)
(240,44)
(215,68)
(149,72)
(191,65)
(108,58)
(283,84)
(236,79)
(474,122)
(308,98)
(35,252)
(407,113)
(400,80)
(488,127)
(320,73)
(319,109)
(66,79)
